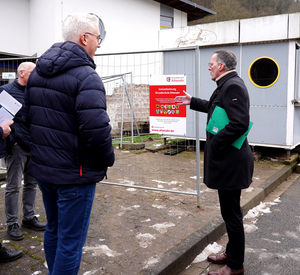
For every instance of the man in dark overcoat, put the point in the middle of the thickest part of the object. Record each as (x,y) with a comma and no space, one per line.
(226,168)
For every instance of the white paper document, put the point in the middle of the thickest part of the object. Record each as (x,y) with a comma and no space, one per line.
(9,106)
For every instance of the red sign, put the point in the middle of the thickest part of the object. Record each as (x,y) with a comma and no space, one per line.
(166,116)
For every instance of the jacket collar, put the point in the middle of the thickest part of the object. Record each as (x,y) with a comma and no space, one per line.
(225,77)
(18,85)
(222,75)
(220,83)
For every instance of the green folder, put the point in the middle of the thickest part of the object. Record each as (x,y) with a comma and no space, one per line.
(219,120)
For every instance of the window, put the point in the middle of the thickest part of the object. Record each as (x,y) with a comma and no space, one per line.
(166,22)
(264,72)
(166,17)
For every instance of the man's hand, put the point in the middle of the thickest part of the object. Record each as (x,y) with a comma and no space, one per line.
(6,128)
(183,100)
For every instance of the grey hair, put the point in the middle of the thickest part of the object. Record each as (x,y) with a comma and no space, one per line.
(228,58)
(76,24)
(24,66)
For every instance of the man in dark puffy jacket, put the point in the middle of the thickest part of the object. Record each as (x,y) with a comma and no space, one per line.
(71,145)
(17,164)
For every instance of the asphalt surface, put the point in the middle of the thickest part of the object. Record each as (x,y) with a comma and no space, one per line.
(274,247)
(272,236)
(134,231)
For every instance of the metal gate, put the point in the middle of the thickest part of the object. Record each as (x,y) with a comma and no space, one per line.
(157,163)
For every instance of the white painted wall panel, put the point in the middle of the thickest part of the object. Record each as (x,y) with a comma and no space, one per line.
(45,25)
(14,22)
(131,25)
(294,25)
(33,26)
(202,35)
(264,28)
(180,19)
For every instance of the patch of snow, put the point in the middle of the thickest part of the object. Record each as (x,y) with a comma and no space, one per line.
(292,235)
(254,212)
(177,212)
(210,249)
(101,249)
(128,182)
(131,189)
(145,239)
(271,241)
(169,183)
(158,206)
(249,228)
(277,200)
(249,189)
(150,262)
(162,227)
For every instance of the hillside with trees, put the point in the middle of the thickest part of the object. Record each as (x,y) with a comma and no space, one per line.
(240,9)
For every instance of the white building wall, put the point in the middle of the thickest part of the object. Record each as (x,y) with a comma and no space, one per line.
(14,22)
(201,35)
(259,29)
(294,25)
(32,26)
(265,28)
(180,19)
(45,25)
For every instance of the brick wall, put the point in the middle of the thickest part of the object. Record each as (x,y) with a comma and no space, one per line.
(140,94)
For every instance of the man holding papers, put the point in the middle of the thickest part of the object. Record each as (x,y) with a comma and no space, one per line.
(227,168)
(6,255)
(17,162)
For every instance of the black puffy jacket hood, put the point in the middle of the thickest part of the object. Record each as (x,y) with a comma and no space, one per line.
(65,104)
(62,57)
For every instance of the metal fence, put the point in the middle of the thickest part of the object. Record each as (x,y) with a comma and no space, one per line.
(160,163)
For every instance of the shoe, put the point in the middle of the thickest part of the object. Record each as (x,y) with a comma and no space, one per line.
(225,270)
(218,259)
(14,232)
(8,255)
(34,224)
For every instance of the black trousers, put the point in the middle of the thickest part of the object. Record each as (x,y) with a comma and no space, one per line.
(233,218)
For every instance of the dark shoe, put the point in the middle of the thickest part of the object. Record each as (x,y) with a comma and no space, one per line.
(225,270)
(34,224)
(218,259)
(8,255)
(14,232)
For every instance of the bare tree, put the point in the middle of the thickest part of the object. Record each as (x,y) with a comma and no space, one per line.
(226,10)
(239,9)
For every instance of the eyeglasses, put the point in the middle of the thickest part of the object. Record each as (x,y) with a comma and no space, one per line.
(210,64)
(98,37)
(27,71)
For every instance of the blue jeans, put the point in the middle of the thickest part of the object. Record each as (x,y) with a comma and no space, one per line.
(68,209)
